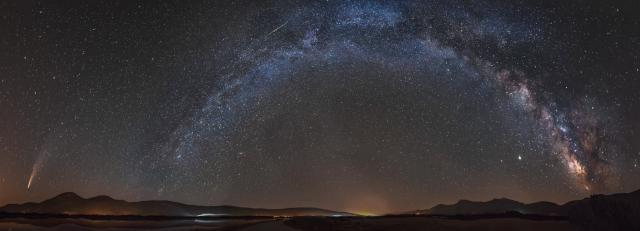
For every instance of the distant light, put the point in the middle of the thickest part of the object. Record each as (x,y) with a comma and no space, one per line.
(211,215)
(519,157)
(366,214)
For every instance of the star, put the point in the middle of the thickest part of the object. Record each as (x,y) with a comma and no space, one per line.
(319,103)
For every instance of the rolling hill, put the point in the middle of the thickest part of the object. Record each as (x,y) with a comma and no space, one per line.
(72,204)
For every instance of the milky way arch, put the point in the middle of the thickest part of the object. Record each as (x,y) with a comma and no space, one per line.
(397,36)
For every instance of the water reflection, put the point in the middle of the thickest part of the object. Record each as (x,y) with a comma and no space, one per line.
(118,225)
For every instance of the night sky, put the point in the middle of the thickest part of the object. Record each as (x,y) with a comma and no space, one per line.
(365,106)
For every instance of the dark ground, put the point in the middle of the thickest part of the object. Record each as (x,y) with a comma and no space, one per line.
(298,223)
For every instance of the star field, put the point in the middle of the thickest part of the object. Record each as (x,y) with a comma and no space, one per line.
(375,106)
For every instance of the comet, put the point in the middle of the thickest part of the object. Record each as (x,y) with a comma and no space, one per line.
(33,173)
(36,168)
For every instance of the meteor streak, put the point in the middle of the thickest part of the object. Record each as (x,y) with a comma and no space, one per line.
(277,28)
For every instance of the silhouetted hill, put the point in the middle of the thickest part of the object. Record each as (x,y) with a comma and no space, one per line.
(72,204)
(598,212)
(495,206)
(607,212)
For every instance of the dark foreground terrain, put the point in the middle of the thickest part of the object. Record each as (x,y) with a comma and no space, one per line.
(296,223)
(427,223)
(68,212)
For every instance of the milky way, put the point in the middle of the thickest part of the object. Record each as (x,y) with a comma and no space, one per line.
(581,151)
(369,106)
(573,138)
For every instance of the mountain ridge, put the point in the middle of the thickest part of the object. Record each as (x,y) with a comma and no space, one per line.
(587,209)
(70,203)
(505,205)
